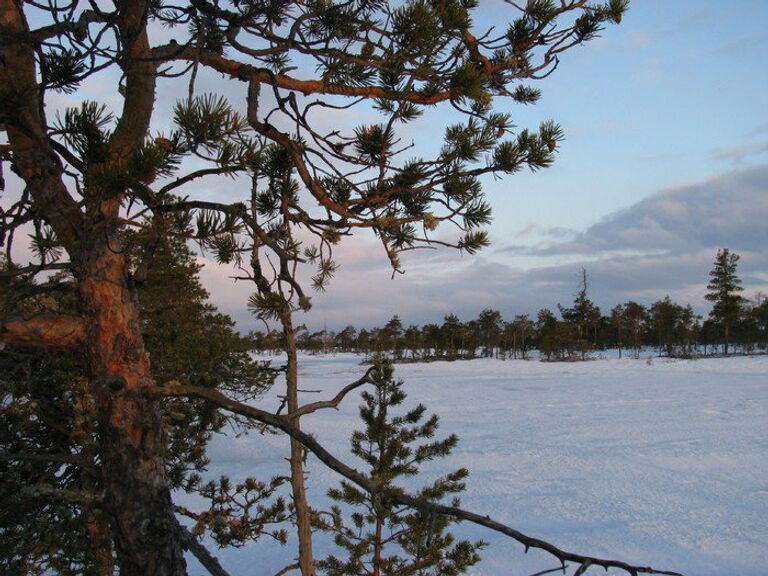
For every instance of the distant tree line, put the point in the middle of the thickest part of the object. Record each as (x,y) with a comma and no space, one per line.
(672,329)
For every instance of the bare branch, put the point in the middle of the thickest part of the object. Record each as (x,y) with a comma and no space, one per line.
(336,400)
(551,570)
(74,496)
(287,569)
(76,459)
(218,171)
(76,27)
(34,269)
(396,496)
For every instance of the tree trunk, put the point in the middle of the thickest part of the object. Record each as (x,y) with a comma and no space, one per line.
(96,521)
(303,513)
(377,548)
(100,541)
(137,497)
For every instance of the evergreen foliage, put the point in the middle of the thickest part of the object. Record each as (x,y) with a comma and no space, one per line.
(724,287)
(88,177)
(585,318)
(673,329)
(49,465)
(381,538)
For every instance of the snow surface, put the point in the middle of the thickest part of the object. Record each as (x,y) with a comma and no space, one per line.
(661,463)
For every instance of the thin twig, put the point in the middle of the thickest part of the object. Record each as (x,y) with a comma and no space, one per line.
(289,568)
(336,400)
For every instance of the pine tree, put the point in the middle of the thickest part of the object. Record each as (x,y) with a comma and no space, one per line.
(724,287)
(635,318)
(518,334)
(490,323)
(391,337)
(584,316)
(618,323)
(385,539)
(90,175)
(451,332)
(50,470)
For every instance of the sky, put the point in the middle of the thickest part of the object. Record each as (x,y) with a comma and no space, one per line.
(665,160)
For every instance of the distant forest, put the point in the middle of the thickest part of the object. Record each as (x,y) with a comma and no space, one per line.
(734,325)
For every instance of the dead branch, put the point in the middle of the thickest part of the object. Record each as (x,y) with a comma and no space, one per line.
(289,568)
(66,495)
(33,269)
(336,400)
(174,389)
(75,459)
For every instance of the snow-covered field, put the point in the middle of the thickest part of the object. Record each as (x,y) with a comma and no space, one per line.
(661,463)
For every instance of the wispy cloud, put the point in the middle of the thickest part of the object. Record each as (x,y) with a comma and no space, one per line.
(759,129)
(740,153)
(741,43)
(649,71)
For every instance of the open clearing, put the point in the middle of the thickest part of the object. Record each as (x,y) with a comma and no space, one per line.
(662,463)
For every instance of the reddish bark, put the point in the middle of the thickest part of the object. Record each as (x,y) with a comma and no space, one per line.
(137,497)
(45,330)
(131,435)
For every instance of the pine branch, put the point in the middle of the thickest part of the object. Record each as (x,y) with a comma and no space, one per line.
(198,174)
(208,560)
(44,330)
(237,209)
(289,568)
(174,389)
(246,72)
(77,28)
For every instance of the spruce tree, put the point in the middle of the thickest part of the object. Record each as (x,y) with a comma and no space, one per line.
(381,538)
(724,287)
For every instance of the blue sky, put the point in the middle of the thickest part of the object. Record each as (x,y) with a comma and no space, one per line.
(665,160)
